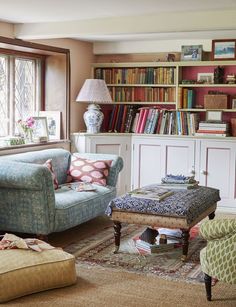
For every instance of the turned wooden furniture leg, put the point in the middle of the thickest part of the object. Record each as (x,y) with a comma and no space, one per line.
(117,228)
(211,215)
(207,280)
(185,236)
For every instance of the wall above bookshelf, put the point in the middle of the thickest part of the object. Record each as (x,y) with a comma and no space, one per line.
(170,87)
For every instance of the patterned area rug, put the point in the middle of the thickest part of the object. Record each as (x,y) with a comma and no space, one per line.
(98,250)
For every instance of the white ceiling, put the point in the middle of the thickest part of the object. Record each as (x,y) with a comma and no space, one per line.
(48,18)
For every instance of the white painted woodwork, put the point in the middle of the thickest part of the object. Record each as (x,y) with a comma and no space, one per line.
(212,160)
(146,161)
(117,144)
(217,168)
(179,157)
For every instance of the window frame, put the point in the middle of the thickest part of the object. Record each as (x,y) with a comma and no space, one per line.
(39,75)
(13,45)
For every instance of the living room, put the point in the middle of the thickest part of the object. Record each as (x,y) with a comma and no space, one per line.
(60,45)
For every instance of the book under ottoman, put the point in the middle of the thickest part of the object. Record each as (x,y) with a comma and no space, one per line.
(24,272)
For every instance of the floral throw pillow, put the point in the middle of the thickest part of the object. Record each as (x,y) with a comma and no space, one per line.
(92,171)
(48,164)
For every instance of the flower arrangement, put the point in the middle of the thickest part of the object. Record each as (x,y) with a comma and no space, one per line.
(26,127)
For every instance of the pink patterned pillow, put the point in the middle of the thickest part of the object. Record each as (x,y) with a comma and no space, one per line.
(48,164)
(93,171)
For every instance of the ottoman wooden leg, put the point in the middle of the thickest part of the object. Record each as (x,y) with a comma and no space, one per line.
(211,215)
(117,228)
(207,280)
(185,236)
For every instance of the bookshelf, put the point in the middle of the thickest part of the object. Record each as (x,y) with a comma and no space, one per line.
(161,86)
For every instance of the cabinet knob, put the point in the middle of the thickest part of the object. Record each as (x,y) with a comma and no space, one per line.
(192,171)
(203,172)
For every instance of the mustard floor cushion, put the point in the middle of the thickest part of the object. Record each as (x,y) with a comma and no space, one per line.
(24,272)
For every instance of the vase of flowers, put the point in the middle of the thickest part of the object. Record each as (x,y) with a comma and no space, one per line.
(26,127)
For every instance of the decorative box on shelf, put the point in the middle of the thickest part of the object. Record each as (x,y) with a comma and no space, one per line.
(217,101)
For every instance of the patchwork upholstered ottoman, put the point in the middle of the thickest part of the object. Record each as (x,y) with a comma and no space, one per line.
(183,209)
(24,272)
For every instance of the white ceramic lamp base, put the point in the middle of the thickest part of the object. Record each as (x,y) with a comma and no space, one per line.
(93,118)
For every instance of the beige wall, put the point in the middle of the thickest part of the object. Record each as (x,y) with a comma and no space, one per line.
(81,59)
(6,29)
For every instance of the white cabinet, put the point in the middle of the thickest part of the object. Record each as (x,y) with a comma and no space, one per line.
(107,144)
(217,169)
(149,158)
(155,157)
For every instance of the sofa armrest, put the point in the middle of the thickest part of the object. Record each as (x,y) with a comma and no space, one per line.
(20,175)
(27,202)
(217,229)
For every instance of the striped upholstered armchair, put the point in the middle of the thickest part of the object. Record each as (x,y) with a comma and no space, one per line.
(218,258)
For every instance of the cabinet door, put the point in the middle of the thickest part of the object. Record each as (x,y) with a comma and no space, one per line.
(179,157)
(118,145)
(147,162)
(217,167)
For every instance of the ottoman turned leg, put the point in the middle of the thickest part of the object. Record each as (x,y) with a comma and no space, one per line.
(117,228)
(185,236)
(211,215)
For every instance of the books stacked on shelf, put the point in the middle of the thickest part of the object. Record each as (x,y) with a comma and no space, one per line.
(137,75)
(153,120)
(178,182)
(122,117)
(186,97)
(220,129)
(151,192)
(142,94)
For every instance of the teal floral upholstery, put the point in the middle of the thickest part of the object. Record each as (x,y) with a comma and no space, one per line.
(28,202)
(218,258)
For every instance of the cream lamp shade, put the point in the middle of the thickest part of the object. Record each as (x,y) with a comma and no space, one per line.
(94,91)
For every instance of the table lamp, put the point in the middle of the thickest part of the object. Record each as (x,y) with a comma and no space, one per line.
(94,91)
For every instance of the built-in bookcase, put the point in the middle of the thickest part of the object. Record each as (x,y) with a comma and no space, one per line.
(167,96)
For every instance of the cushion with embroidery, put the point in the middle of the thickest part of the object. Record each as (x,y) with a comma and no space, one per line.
(48,164)
(92,171)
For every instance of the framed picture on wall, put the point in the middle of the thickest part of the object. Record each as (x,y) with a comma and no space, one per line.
(53,124)
(223,49)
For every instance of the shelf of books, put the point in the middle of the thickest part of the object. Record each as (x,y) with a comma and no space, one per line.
(167,97)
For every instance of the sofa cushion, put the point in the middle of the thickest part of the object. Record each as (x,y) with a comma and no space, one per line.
(93,171)
(24,272)
(79,207)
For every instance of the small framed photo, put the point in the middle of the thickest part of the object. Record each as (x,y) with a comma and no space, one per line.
(40,129)
(223,49)
(205,78)
(53,123)
(214,116)
(191,53)
(234,103)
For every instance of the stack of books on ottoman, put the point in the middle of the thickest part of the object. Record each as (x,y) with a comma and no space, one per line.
(179,182)
(158,240)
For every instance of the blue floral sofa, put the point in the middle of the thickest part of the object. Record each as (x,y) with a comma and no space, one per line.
(28,202)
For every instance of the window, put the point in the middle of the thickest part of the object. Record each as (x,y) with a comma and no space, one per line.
(20,90)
